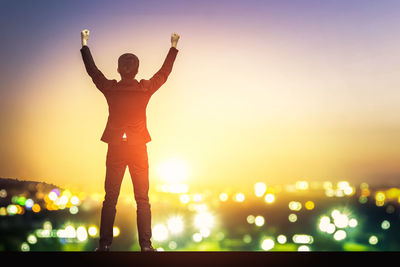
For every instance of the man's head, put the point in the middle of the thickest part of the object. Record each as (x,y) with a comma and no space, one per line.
(128,65)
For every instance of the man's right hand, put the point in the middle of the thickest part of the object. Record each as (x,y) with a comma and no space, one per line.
(174,39)
(85,36)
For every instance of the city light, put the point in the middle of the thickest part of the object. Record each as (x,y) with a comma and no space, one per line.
(302,185)
(292,217)
(29,203)
(269,198)
(385,225)
(250,219)
(47,225)
(341,221)
(81,233)
(53,196)
(175,225)
(295,205)
(116,231)
(339,235)
(197,198)
(204,220)
(331,228)
(309,205)
(176,188)
(373,240)
(303,248)
(302,239)
(205,232)
(31,239)
(336,223)
(223,197)
(69,232)
(267,244)
(323,223)
(260,189)
(247,238)
(380,198)
(282,239)
(259,220)
(172,245)
(75,200)
(3,193)
(160,232)
(184,198)
(92,231)
(197,237)
(239,197)
(74,210)
(25,247)
(12,209)
(353,222)
(3,211)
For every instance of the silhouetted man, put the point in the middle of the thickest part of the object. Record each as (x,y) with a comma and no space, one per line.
(127,136)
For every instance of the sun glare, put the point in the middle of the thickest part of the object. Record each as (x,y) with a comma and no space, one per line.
(173,171)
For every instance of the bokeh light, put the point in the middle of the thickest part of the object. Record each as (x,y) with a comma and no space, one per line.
(339,235)
(81,233)
(223,197)
(259,189)
(184,198)
(281,239)
(259,220)
(93,231)
(197,237)
(116,231)
(160,232)
(250,219)
(385,225)
(267,244)
(295,205)
(309,205)
(204,220)
(373,240)
(303,248)
(292,217)
(175,224)
(269,198)
(239,197)
(25,247)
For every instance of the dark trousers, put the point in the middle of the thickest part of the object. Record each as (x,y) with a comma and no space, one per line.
(118,157)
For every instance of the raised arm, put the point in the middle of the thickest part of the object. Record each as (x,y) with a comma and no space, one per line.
(101,82)
(161,76)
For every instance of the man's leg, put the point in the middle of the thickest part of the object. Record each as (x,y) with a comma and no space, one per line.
(115,169)
(139,170)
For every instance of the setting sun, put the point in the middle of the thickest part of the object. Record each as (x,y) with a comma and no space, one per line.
(173,171)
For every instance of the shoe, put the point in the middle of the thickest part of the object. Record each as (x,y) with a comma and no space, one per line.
(104,248)
(148,249)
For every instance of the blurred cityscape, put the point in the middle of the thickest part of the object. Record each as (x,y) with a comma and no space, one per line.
(303,216)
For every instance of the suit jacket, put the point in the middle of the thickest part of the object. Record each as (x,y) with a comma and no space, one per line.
(127,100)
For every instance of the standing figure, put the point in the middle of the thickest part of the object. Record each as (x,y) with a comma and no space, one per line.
(127,136)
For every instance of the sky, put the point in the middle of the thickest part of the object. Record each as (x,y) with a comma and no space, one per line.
(272,91)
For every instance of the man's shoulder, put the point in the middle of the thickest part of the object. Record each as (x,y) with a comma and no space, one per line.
(144,82)
(127,86)
(109,85)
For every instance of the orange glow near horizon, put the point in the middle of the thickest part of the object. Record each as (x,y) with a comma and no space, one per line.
(247,101)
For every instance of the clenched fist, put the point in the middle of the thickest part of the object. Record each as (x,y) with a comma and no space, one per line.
(85,36)
(174,39)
